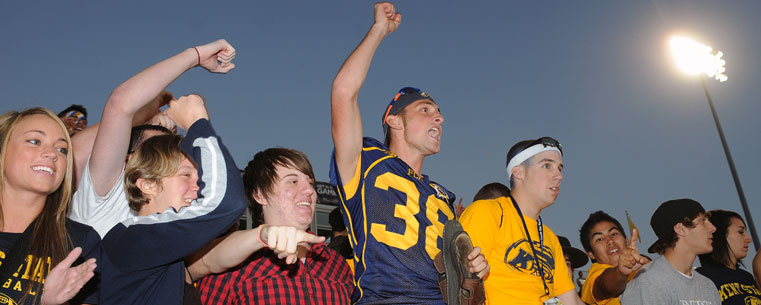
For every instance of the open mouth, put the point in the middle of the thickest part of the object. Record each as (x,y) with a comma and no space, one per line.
(434,132)
(613,251)
(304,204)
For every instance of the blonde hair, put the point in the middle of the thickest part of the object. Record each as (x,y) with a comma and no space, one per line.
(49,235)
(156,158)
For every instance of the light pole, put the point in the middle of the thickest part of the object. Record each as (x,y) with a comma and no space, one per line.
(695,58)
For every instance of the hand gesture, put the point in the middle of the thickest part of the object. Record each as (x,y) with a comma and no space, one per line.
(386,17)
(216,56)
(284,241)
(187,110)
(478,263)
(64,281)
(458,209)
(629,259)
(163,120)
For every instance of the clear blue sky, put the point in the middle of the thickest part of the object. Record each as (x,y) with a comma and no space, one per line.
(596,75)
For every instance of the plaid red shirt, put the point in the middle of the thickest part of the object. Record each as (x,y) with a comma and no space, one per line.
(324,278)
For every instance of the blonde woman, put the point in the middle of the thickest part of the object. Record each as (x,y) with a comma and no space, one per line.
(35,189)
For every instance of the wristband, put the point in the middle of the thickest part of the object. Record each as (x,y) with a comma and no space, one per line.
(199,56)
(259,237)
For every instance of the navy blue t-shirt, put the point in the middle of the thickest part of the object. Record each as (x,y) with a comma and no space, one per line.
(36,269)
(396,219)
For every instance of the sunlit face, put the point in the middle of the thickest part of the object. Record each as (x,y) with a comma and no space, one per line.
(292,200)
(606,241)
(35,159)
(423,126)
(543,176)
(700,238)
(176,191)
(738,239)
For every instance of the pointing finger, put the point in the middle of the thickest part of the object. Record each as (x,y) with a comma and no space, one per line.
(633,240)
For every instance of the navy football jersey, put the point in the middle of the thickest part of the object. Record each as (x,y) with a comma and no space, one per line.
(396,222)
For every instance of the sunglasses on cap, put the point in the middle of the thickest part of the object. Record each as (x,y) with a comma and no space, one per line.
(547,142)
(402,92)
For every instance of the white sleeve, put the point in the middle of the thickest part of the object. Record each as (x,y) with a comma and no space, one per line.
(101,213)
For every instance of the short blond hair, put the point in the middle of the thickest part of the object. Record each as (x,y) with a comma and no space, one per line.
(156,158)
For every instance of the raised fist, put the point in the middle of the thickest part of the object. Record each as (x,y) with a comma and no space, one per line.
(187,110)
(216,56)
(386,17)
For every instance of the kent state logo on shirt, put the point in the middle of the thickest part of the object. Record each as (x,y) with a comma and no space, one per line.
(519,257)
(6,300)
(439,193)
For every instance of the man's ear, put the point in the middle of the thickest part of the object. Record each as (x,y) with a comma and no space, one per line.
(680,229)
(519,172)
(591,255)
(146,186)
(259,197)
(394,122)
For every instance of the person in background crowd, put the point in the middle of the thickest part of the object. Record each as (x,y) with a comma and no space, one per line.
(387,174)
(683,232)
(492,190)
(526,256)
(74,117)
(340,238)
(730,246)
(615,260)
(35,235)
(574,258)
(279,186)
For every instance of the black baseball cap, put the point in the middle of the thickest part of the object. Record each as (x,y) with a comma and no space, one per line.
(402,99)
(670,213)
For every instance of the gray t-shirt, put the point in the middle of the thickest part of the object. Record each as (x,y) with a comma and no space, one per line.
(659,283)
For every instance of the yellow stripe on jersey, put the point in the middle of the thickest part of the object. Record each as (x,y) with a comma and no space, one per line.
(364,220)
(351,187)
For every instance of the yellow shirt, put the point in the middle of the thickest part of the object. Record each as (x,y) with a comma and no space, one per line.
(513,279)
(594,272)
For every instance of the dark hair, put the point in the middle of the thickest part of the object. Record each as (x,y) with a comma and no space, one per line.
(721,254)
(336,221)
(670,240)
(387,137)
(516,149)
(592,220)
(76,107)
(492,190)
(260,175)
(137,135)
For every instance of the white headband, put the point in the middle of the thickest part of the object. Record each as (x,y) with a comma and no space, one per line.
(526,154)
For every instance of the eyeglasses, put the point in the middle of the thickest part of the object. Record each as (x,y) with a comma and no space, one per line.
(548,142)
(403,91)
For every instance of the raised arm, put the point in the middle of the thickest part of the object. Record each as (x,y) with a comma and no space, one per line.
(111,143)
(173,235)
(346,120)
(612,282)
(83,141)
